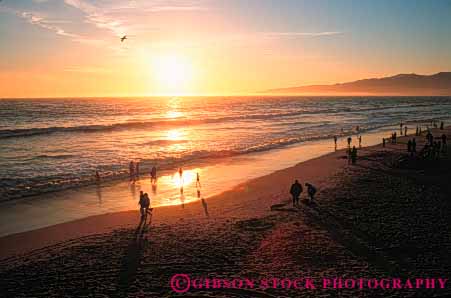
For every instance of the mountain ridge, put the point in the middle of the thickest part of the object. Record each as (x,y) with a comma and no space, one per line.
(400,84)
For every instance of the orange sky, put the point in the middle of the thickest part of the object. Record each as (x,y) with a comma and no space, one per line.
(72,47)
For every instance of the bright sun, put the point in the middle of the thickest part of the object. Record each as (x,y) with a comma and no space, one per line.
(173,73)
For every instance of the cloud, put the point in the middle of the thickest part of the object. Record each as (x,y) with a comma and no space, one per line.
(302,34)
(97,16)
(36,19)
(40,21)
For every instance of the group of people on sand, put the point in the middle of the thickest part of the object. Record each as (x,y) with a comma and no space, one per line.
(134,170)
(352,151)
(435,147)
(296,191)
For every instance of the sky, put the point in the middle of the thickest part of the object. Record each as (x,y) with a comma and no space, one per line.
(72,48)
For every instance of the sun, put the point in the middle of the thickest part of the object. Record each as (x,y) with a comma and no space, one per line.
(172,72)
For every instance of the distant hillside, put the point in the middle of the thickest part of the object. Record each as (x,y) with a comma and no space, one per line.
(401,84)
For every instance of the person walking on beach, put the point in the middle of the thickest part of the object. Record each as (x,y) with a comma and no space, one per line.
(142,204)
(400,128)
(441,125)
(131,168)
(405,130)
(335,141)
(311,191)
(383,142)
(409,147)
(181,176)
(295,191)
(414,146)
(349,142)
(360,141)
(354,155)
(197,181)
(153,175)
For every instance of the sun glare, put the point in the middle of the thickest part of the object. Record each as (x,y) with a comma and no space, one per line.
(173,73)
(188,177)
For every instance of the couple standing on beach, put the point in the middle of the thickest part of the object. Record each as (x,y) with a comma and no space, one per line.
(144,203)
(296,190)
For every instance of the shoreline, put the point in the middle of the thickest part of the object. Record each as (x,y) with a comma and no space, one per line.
(106,222)
(72,204)
(383,216)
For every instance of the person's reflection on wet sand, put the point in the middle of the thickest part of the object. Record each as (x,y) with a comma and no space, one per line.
(182,198)
(154,189)
(133,191)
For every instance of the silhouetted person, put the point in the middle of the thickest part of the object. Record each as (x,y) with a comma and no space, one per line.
(360,141)
(400,128)
(295,191)
(142,204)
(395,137)
(349,141)
(146,206)
(354,155)
(441,125)
(311,191)
(181,173)
(405,130)
(153,175)
(417,131)
(335,142)
(197,180)
(409,146)
(204,204)
(383,142)
(414,146)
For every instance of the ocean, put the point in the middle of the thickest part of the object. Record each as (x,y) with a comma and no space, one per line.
(53,144)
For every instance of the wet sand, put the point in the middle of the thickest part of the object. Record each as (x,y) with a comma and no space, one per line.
(386,216)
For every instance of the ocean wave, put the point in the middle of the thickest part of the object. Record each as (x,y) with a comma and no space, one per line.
(163,142)
(158,123)
(56,156)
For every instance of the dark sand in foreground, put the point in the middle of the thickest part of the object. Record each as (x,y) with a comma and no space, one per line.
(387,216)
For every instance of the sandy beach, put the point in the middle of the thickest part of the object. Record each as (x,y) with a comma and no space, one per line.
(386,216)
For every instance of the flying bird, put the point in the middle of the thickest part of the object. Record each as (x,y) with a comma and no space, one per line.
(123,38)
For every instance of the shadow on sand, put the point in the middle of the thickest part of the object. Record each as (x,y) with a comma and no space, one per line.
(134,253)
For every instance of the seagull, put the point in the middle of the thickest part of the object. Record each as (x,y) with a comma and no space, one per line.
(123,38)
